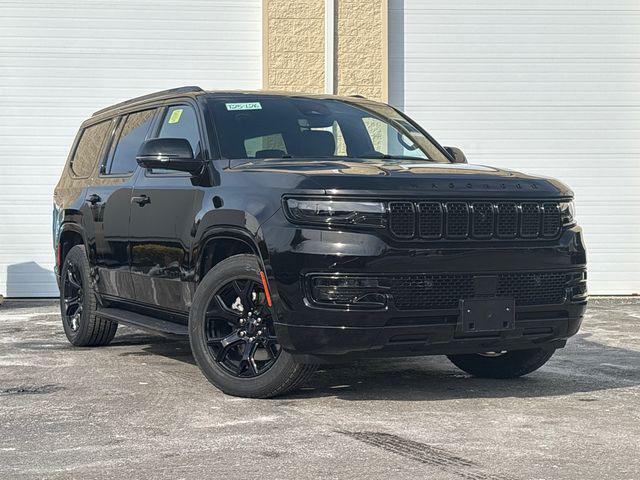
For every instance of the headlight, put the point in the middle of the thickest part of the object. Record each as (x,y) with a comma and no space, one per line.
(567,213)
(336,212)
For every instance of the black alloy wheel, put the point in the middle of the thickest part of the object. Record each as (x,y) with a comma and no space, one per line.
(72,297)
(232,331)
(78,304)
(239,329)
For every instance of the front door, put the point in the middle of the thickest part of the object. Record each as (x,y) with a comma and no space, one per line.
(162,221)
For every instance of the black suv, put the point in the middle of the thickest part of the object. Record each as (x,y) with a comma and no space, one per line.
(280,231)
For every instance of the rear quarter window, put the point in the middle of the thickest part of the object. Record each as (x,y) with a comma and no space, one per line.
(88,149)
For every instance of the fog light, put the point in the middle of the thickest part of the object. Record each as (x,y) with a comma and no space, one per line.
(577,283)
(362,292)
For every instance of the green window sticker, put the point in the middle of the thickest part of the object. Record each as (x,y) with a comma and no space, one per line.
(243,106)
(175,115)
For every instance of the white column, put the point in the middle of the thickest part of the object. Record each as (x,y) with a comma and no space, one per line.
(329,46)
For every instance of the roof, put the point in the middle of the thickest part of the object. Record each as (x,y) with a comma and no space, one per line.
(195,90)
(282,93)
(151,96)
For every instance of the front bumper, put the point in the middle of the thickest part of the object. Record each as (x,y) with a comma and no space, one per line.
(314,332)
(335,344)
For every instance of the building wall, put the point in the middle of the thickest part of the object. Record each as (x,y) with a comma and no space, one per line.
(547,88)
(62,61)
(293,45)
(361,48)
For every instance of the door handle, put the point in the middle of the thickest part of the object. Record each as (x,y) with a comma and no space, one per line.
(93,199)
(142,200)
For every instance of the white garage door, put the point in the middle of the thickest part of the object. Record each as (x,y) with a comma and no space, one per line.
(60,61)
(549,87)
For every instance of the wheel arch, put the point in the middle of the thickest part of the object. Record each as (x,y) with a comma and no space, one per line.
(71,235)
(223,242)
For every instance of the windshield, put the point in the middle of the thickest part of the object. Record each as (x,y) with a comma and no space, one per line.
(290,127)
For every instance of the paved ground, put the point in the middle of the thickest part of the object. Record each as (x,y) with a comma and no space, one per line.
(141,409)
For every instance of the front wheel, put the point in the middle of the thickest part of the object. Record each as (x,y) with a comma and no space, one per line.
(510,364)
(232,333)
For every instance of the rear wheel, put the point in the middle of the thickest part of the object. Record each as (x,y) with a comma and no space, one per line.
(233,336)
(78,304)
(510,364)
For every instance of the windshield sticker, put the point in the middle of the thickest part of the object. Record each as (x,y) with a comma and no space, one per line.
(243,106)
(175,115)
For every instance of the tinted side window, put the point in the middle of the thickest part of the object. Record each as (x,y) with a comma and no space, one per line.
(89,147)
(180,122)
(133,133)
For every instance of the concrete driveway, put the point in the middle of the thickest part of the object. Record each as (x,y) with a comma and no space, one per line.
(141,409)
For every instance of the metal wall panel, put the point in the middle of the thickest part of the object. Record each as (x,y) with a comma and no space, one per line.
(60,61)
(547,87)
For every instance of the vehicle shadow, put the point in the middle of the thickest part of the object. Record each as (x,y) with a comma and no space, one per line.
(21,278)
(585,366)
(171,347)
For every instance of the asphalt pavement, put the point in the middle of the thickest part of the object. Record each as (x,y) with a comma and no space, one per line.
(140,409)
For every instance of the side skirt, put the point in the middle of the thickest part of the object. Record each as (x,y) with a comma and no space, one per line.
(144,322)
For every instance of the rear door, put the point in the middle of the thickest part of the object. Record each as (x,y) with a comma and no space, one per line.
(109,199)
(163,219)
(75,185)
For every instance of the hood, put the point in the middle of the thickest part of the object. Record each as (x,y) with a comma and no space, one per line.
(401,177)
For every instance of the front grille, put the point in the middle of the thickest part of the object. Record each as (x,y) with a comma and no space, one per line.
(544,288)
(434,291)
(444,291)
(424,292)
(481,220)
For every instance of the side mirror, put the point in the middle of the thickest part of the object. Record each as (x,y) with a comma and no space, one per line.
(169,154)
(456,154)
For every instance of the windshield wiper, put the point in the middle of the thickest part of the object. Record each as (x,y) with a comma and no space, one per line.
(386,156)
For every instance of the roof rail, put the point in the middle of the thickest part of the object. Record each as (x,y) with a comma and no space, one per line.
(357,95)
(187,89)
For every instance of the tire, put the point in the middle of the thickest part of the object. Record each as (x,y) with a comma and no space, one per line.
(511,364)
(81,325)
(224,357)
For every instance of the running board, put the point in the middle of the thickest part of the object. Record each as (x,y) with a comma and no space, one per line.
(144,322)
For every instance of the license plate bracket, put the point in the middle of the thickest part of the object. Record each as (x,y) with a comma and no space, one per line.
(487,314)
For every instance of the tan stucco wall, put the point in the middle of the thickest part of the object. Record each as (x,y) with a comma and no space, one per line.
(294,39)
(293,45)
(361,48)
